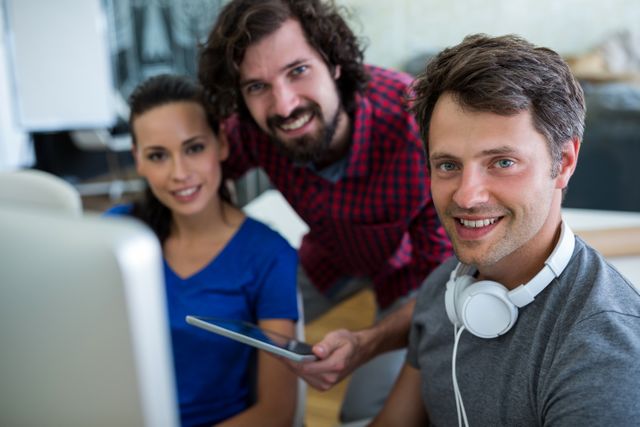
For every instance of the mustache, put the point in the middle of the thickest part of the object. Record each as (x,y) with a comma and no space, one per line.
(489,211)
(277,120)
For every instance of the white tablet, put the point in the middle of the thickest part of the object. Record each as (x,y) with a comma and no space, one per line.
(248,333)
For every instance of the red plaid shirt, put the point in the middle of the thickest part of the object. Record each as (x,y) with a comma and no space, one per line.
(378,220)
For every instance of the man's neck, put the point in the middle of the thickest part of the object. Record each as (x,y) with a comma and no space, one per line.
(524,263)
(340,145)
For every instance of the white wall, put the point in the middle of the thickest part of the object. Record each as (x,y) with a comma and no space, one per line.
(15,149)
(400,29)
(60,54)
(56,58)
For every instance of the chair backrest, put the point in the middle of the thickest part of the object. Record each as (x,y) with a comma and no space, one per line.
(38,189)
(273,209)
(301,402)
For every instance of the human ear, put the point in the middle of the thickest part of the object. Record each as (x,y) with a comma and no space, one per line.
(568,162)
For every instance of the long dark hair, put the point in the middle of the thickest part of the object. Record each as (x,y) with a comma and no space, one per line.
(244,22)
(155,92)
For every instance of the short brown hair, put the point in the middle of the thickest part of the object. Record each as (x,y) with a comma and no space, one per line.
(244,22)
(505,75)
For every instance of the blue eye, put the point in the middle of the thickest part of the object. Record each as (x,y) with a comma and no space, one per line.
(446,166)
(504,163)
(299,70)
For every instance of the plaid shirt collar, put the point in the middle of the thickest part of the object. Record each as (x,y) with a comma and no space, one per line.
(361,139)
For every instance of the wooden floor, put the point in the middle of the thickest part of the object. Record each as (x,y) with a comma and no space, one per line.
(356,313)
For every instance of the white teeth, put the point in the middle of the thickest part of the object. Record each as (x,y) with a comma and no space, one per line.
(186,192)
(477,224)
(296,124)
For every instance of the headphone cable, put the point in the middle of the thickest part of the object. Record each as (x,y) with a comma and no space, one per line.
(456,390)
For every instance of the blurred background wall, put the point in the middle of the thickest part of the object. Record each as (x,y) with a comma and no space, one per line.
(399,29)
(147,37)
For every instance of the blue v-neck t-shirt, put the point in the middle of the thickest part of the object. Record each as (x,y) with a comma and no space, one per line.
(251,279)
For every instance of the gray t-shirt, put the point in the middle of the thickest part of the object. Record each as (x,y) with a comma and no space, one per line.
(572,358)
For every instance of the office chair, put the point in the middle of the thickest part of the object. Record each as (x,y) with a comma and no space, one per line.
(301,402)
(40,190)
(271,208)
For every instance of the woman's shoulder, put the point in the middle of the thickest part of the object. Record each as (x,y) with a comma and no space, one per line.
(120,210)
(262,236)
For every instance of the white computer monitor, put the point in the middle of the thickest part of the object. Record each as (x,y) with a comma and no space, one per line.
(84,338)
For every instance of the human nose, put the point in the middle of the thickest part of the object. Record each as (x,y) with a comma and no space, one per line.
(471,190)
(179,169)
(285,99)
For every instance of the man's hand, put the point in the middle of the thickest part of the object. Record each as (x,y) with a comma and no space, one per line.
(340,352)
(338,355)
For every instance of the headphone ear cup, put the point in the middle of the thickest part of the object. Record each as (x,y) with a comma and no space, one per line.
(454,287)
(485,309)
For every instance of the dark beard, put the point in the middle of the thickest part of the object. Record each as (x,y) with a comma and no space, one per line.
(309,148)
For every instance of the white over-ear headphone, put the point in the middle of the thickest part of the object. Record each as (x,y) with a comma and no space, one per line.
(488,309)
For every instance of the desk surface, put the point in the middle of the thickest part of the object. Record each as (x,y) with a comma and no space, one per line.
(591,219)
(614,234)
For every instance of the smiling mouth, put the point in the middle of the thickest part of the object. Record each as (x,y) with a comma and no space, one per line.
(296,124)
(479,223)
(186,192)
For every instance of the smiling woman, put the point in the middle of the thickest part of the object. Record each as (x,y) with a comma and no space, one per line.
(217,262)
(179,155)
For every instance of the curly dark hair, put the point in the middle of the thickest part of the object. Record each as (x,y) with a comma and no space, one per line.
(244,22)
(155,92)
(505,75)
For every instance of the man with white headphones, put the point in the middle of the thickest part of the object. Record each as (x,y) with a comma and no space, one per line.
(526,325)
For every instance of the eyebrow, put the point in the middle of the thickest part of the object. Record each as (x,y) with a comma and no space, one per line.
(292,64)
(184,143)
(484,153)
(153,148)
